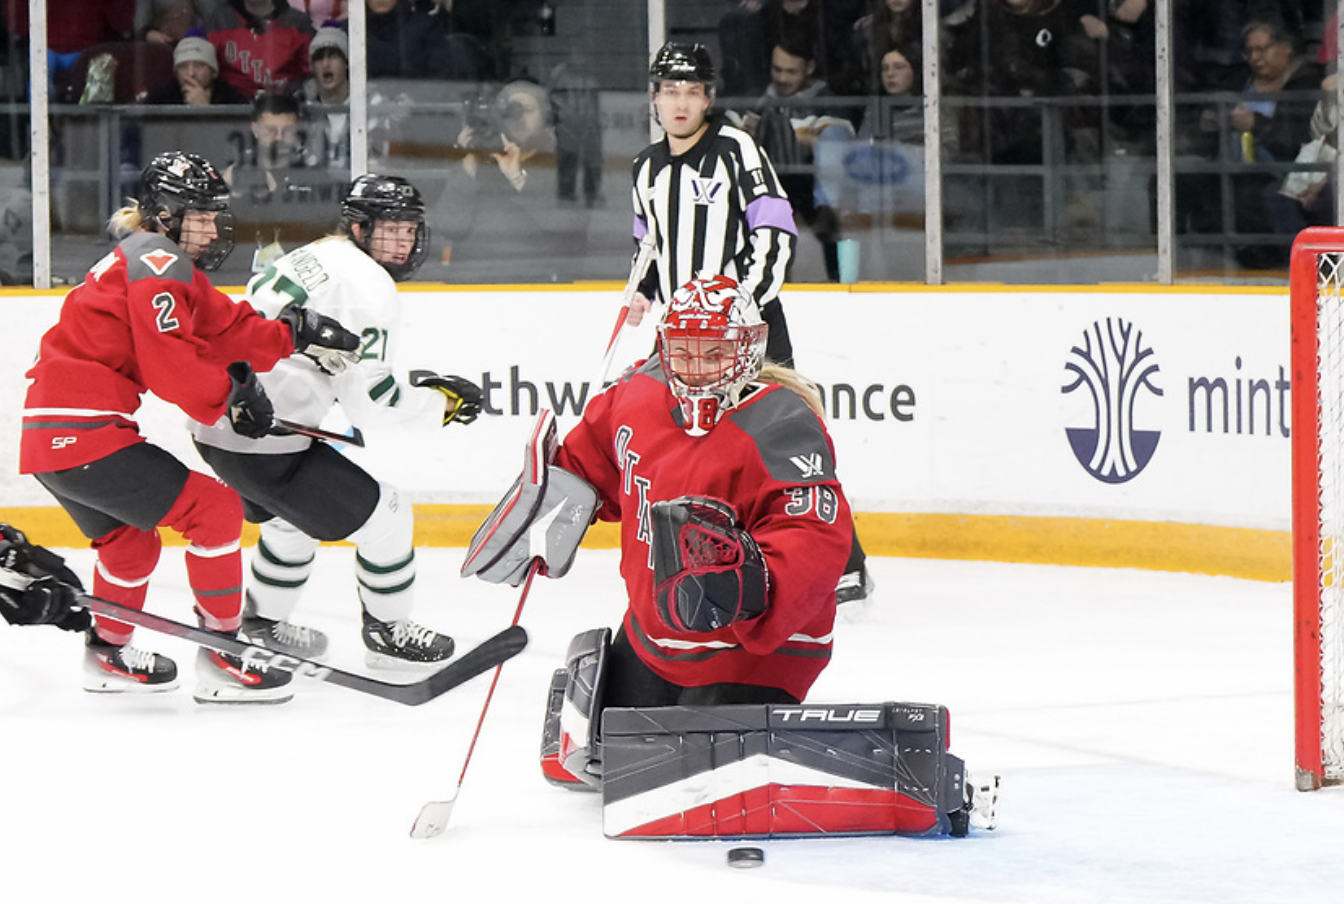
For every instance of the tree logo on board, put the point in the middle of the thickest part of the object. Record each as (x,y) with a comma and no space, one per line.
(1117,370)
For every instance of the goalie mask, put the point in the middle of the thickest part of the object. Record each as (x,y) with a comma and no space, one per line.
(712,345)
(403,243)
(187,198)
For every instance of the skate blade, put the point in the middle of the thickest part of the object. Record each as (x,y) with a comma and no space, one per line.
(229,697)
(128,687)
(384,663)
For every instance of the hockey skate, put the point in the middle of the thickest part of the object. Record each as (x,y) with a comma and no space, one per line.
(225,678)
(282,636)
(113,669)
(393,645)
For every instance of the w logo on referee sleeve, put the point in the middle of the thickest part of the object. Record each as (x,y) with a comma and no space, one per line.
(706,191)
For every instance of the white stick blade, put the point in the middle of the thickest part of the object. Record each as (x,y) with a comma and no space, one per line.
(433,819)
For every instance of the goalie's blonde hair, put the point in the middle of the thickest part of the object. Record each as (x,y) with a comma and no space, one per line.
(789,378)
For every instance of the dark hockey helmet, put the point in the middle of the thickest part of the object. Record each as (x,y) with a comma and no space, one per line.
(682,63)
(390,198)
(175,183)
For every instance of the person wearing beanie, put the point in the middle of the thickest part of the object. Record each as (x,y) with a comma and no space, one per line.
(196,73)
(326,92)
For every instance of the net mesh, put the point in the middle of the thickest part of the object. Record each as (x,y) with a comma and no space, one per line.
(1330,409)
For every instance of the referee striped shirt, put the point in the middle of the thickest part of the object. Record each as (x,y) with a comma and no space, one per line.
(716,209)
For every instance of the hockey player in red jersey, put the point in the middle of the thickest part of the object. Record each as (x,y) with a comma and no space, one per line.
(146,319)
(706,440)
(734,527)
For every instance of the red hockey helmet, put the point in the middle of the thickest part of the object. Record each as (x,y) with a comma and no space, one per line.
(712,345)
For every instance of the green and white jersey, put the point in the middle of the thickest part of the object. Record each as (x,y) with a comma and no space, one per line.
(333,277)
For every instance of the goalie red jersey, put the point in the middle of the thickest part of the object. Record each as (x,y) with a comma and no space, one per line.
(771,460)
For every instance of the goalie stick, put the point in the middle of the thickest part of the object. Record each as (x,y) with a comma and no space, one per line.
(637,271)
(434,815)
(540,449)
(489,654)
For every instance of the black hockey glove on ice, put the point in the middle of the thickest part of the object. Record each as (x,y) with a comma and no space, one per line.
(250,411)
(465,393)
(36,587)
(707,572)
(322,339)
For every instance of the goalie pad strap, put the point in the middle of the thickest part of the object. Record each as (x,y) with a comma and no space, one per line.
(546,521)
(580,747)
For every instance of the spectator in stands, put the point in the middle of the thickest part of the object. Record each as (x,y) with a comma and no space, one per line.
(278,194)
(750,31)
(402,41)
(327,94)
(323,12)
(262,44)
(900,79)
(165,21)
(79,25)
(196,73)
(498,211)
(887,24)
(790,130)
(1254,132)
(576,105)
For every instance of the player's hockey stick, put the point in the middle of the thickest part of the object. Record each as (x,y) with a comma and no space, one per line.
(637,271)
(353,438)
(434,816)
(489,654)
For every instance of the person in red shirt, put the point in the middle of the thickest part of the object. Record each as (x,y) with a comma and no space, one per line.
(146,319)
(262,45)
(708,425)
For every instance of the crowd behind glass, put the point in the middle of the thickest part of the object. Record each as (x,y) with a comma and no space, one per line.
(518,120)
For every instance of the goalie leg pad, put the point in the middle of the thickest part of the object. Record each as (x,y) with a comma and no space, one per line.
(570,744)
(545,520)
(779,771)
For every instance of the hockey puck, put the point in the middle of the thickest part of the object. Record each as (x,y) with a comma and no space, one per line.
(746,857)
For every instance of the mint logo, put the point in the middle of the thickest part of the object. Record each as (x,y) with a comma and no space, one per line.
(1117,369)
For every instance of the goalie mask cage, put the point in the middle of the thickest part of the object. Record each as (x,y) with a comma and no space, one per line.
(1317,291)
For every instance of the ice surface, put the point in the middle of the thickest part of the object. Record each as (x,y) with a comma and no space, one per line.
(1142,723)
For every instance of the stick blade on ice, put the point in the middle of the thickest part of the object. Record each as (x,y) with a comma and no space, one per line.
(433,819)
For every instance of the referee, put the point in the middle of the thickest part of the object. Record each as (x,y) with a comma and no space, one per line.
(709,198)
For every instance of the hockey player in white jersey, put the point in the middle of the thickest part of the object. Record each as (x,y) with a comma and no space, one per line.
(301,491)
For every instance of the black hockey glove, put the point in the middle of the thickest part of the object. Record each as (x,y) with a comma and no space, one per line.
(707,572)
(36,587)
(322,339)
(466,395)
(250,411)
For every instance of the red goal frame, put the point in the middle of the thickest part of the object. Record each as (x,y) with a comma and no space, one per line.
(1314,767)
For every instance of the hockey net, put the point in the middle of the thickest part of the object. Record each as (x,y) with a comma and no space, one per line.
(1317,291)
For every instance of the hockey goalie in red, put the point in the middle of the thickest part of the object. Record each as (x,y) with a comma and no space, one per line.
(146,319)
(734,528)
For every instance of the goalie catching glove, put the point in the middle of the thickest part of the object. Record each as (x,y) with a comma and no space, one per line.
(463,396)
(707,572)
(36,586)
(322,339)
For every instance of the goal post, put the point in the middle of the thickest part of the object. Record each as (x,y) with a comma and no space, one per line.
(1317,311)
